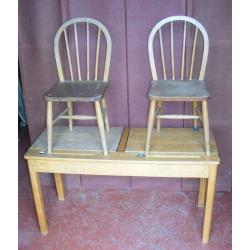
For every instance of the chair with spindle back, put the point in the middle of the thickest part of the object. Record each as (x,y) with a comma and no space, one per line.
(182,89)
(72,88)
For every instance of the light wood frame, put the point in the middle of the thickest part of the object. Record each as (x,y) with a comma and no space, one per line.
(100,106)
(155,113)
(123,163)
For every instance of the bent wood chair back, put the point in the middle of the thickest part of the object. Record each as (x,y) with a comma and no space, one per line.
(78,25)
(157,31)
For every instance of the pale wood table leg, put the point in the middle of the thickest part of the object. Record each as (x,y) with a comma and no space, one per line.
(151,117)
(209,203)
(101,126)
(49,125)
(36,188)
(70,112)
(59,186)
(202,192)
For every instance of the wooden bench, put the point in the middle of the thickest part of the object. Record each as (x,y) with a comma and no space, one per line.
(175,152)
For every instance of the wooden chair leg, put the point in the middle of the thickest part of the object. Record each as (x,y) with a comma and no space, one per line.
(105,112)
(151,116)
(49,125)
(36,188)
(59,186)
(206,125)
(202,192)
(70,112)
(101,126)
(195,106)
(158,123)
(209,203)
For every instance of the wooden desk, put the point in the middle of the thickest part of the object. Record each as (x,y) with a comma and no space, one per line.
(175,152)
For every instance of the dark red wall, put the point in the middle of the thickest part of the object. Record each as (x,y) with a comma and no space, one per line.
(129,23)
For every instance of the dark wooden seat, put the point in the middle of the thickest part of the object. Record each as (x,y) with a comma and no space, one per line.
(77,91)
(178,90)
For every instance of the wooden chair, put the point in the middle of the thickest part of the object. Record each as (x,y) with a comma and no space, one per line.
(73,88)
(186,88)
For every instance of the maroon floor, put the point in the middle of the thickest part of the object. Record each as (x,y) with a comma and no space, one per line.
(119,219)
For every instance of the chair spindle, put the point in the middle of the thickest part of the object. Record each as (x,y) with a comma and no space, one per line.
(68,54)
(88,51)
(77,54)
(172,52)
(162,55)
(97,53)
(183,50)
(193,54)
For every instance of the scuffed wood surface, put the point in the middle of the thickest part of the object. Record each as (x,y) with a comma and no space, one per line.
(85,91)
(172,142)
(81,138)
(181,90)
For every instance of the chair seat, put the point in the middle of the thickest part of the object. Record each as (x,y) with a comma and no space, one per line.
(178,90)
(81,91)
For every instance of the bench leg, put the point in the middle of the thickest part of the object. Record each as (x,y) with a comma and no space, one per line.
(101,126)
(36,188)
(209,203)
(59,186)
(151,116)
(202,192)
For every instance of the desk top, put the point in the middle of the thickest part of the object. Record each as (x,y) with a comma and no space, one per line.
(175,145)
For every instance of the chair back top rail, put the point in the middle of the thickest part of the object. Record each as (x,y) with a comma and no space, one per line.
(158,29)
(101,30)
